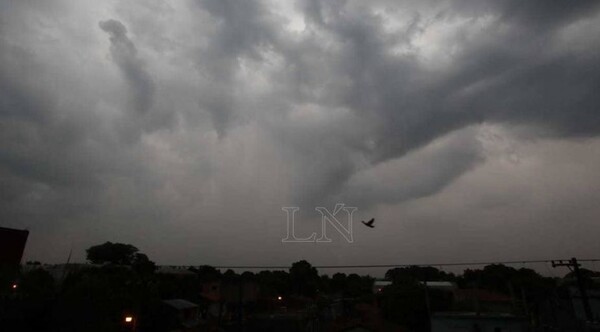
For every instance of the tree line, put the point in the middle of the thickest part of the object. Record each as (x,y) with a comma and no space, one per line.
(123,279)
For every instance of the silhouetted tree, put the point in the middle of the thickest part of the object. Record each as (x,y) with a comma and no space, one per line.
(248,276)
(586,274)
(142,264)
(324,284)
(404,303)
(357,286)
(114,253)
(37,284)
(338,283)
(419,273)
(304,278)
(230,276)
(95,299)
(274,283)
(34,303)
(500,278)
(207,273)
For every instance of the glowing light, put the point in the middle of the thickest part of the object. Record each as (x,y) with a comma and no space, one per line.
(279,298)
(128,319)
(14,286)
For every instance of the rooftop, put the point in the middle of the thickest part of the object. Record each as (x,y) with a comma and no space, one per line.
(180,304)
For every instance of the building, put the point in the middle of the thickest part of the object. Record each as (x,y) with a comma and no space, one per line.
(479,310)
(481,300)
(227,301)
(12,245)
(181,314)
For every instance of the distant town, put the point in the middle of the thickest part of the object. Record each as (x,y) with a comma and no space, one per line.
(121,289)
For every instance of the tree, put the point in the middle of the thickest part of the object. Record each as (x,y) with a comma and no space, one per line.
(585,274)
(207,273)
(37,284)
(358,285)
(304,278)
(404,303)
(274,283)
(32,309)
(338,283)
(419,273)
(113,253)
(142,264)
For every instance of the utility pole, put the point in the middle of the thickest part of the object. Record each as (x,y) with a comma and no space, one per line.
(574,267)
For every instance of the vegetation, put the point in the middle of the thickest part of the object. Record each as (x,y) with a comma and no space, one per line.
(120,254)
(124,281)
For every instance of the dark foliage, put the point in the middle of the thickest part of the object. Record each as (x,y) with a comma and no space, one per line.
(113,253)
(304,279)
(419,273)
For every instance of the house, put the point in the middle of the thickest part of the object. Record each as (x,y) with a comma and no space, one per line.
(480,310)
(12,245)
(481,300)
(228,300)
(245,291)
(182,314)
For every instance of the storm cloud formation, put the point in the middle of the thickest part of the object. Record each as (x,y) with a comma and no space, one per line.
(124,54)
(183,127)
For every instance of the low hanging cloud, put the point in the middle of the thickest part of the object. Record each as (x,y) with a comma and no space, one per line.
(198,120)
(418,174)
(124,54)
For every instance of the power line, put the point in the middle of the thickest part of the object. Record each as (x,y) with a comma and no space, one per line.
(397,265)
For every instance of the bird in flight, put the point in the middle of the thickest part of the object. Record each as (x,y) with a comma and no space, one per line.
(369,223)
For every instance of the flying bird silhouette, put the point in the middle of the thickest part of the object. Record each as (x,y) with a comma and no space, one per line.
(369,223)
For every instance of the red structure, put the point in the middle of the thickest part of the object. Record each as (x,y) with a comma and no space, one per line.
(12,244)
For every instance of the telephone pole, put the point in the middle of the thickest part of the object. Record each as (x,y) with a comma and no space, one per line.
(573,265)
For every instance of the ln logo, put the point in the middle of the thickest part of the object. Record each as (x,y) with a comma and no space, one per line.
(327,217)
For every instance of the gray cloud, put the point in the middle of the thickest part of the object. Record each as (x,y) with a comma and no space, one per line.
(504,75)
(124,54)
(227,110)
(418,174)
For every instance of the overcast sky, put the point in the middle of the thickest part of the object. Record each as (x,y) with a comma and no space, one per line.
(468,129)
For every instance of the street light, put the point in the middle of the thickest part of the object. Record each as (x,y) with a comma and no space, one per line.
(130,322)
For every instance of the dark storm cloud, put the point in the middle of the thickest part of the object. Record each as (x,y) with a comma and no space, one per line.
(124,54)
(228,110)
(418,174)
(540,14)
(241,30)
(508,73)
(57,149)
(32,129)
(514,74)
